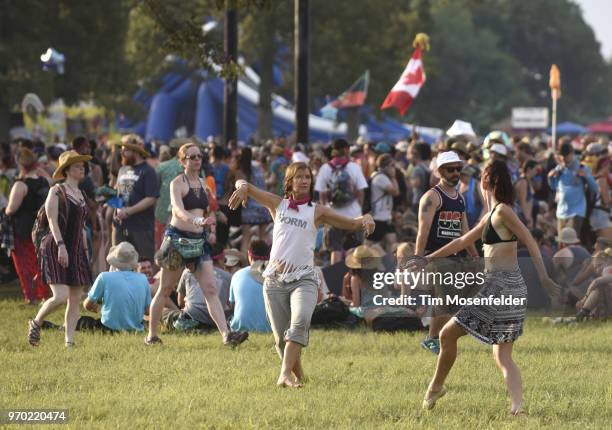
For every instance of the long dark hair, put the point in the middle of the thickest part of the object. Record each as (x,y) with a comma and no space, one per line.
(244,162)
(497,178)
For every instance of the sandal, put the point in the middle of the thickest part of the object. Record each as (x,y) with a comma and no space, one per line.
(430,402)
(235,338)
(153,340)
(33,333)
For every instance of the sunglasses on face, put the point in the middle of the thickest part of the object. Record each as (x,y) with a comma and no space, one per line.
(193,157)
(453,169)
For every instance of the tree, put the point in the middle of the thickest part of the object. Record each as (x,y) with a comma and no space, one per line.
(89,33)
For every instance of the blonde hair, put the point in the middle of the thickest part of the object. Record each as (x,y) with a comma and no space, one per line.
(405,249)
(182,155)
(182,152)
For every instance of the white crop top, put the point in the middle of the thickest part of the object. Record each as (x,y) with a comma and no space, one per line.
(293,242)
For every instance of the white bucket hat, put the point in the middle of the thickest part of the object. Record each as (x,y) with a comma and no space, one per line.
(568,236)
(447,158)
(123,256)
(499,148)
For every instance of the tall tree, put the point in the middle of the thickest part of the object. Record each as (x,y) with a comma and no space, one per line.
(89,33)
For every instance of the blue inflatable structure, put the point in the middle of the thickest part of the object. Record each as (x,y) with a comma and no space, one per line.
(195,102)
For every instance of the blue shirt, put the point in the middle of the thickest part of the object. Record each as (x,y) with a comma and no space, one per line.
(572,200)
(124,297)
(249,310)
(219,173)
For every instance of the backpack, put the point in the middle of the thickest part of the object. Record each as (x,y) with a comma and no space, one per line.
(341,188)
(41,225)
(368,204)
(330,310)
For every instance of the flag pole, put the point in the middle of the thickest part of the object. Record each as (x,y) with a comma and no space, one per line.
(554,124)
(555,93)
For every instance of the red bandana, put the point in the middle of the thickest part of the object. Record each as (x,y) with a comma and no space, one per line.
(293,204)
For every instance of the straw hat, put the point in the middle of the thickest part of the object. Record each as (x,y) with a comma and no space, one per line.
(67,159)
(277,150)
(364,257)
(134,143)
(123,256)
(568,236)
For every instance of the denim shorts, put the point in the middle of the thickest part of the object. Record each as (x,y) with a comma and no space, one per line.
(170,258)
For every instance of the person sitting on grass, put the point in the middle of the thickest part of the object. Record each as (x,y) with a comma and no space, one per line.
(193,313)
(597,302)
(362,262)
(124,294)
(246,292)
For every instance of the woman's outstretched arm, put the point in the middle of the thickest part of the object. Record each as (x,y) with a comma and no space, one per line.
(461,242)
(516,226)
(326,215)
(244,190)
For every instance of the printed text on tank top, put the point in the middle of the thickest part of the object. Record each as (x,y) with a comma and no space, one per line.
(449,221)
(293,242)
(446,224)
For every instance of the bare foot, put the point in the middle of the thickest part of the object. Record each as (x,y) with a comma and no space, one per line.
(284,381)
(517,412)
(299,374)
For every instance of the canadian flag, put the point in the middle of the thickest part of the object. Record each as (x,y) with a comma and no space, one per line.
(407,87)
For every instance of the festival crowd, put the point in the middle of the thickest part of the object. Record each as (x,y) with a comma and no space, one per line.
(114,237)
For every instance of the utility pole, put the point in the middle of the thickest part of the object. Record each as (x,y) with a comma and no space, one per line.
(301,66)
(230,93)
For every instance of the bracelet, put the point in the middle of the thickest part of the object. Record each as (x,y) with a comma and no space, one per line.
(240,183)
(60,243)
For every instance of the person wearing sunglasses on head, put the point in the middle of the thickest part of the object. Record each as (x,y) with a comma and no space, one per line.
(442,218)
(187,243)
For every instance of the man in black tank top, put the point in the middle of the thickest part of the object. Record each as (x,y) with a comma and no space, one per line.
(442,218)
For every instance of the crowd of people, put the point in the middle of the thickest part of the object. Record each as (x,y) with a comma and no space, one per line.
(200,235)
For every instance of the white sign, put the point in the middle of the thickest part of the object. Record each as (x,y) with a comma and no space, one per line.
(530,117)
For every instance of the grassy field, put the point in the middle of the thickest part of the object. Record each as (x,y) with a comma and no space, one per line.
(357,379)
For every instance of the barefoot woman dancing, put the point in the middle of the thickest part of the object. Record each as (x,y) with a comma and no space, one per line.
(290,280)
(496,325)
(187,244)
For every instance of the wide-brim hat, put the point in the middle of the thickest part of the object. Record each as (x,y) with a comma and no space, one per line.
(568,236)
(66,159)
(136,147)
(277,150)
(123,256)
(364,257)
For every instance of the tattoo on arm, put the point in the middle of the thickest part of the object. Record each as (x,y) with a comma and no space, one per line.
(428,204)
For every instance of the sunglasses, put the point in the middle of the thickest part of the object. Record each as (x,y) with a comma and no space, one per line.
(193,157)
(453,169)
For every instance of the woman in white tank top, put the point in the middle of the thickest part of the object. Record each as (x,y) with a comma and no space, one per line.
(290,281)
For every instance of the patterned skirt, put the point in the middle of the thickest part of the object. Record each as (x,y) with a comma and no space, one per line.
(494,324)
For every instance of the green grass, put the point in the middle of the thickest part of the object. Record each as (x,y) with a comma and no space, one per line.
(357,379)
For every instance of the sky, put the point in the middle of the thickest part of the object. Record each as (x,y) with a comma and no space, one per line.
(598,13)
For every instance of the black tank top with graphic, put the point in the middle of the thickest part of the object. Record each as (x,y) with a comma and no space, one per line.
(446,224)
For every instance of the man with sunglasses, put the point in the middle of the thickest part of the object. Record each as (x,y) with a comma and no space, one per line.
(442,218)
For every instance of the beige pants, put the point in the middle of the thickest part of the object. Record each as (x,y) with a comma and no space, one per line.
(289,306)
